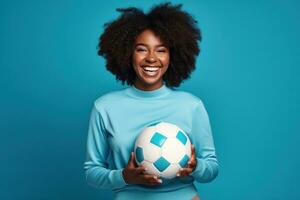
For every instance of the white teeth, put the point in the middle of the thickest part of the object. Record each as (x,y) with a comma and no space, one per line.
(152,69)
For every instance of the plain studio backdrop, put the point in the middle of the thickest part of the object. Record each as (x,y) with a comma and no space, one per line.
(247,76)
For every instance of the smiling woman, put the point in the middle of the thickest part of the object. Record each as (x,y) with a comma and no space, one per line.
(150,61)
(165,25)
(152,53)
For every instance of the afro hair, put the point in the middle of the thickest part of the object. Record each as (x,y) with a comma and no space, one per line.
(177,29)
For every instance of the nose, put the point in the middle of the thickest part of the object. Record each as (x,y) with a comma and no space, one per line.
(151,58)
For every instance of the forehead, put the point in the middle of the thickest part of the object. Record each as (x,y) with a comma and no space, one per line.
(148,38)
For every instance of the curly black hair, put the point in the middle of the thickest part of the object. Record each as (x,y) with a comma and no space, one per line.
(176,28)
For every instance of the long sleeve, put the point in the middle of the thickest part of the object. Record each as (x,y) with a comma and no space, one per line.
(96,168)
(207,163)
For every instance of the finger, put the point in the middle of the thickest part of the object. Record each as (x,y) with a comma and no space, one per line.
(132,160)
(140,170)
(131,157)
(184,172)
(192,163)
(193,160)
(150,178)
(193,149)
(188,164)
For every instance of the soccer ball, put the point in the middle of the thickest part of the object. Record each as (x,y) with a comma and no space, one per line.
(163,149)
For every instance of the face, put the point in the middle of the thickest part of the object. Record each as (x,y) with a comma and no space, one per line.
(150,60)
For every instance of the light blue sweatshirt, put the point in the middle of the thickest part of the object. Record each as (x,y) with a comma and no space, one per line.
(118,117)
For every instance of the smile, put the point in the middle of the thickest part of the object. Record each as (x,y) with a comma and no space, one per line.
(151,71)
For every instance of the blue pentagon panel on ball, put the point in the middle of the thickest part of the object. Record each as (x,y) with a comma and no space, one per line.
(161,164)
(158,139)
(181,137)
(139,154)
(184,160)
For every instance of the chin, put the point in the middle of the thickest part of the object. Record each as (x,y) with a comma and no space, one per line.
(150,83)
(146,81)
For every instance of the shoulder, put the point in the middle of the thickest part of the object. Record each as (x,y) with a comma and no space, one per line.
(187,97)
(194,104)
(109,99)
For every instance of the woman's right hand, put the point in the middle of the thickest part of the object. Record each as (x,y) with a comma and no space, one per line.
(134,174)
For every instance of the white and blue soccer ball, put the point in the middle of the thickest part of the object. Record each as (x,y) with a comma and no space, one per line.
(163,149)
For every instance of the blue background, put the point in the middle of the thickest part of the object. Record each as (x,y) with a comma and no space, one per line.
(247,76)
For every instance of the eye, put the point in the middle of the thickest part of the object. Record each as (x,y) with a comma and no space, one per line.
(162,50)
(140,50)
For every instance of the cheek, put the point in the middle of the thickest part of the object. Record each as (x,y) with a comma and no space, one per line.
(136,59)
(165,60)
(166,63)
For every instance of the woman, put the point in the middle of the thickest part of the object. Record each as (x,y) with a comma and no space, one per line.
(152,53)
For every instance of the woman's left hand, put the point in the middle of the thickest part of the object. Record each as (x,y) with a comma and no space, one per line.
(190,167)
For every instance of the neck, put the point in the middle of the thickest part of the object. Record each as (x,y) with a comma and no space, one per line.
(146,87)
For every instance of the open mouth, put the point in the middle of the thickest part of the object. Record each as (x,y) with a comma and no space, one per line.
(151,71)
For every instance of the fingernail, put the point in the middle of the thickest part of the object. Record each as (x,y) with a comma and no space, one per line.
(159,180)
(155,177)
(177,174)
(145,169)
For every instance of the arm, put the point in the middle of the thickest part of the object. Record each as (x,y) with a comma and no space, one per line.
(207,163)
(96,171)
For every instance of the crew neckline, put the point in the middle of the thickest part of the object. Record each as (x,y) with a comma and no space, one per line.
(159,92)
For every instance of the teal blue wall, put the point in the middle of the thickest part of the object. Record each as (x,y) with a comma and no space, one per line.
(247,76)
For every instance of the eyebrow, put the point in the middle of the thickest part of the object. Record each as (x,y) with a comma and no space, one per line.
(143,44)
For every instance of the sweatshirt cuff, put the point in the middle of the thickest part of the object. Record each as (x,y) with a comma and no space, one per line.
(117,178)
(199,170)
